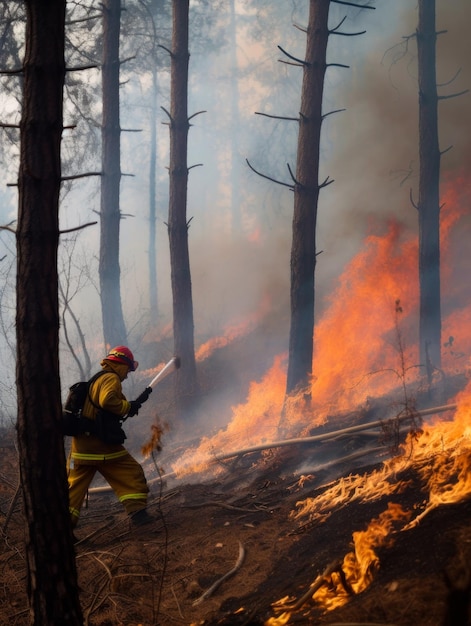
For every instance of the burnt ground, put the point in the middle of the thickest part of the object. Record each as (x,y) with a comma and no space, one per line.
(159,574)
(224,549)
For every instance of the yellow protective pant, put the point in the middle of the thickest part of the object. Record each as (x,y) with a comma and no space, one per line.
(123,473)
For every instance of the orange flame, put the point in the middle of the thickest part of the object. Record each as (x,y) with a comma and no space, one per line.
(258,423)
(356,572)
(155,441)
(365,342)
(360,565)
(360,323)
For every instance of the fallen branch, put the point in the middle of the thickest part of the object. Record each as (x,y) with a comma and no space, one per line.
(331,435)
(359,428)
(219,581)
(416,521)
(96,602)
(317,584)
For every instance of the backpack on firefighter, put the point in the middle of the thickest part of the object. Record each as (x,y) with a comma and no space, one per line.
(73,422)
(106,426)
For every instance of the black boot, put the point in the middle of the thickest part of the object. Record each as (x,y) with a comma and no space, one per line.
(141,518)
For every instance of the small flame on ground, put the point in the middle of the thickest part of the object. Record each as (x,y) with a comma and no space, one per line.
(258,422)
(355,573)
(360,566)
(441,456)
(155,441)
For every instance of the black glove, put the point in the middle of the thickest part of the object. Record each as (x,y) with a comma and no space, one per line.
(144,395)
(134,410)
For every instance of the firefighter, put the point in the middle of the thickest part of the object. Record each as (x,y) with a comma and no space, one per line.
(91,453)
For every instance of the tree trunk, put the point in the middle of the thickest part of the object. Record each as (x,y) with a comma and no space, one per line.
(112,313)
(235,179)
(52,576)
(306,194)
(153,302)
(429,192)
(183,325)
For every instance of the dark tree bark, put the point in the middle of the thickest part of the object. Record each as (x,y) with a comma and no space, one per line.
(236,209)
(306,195)
(155,11)
(183,325)
(153,299)
(52,577)
(429,191)
(114,328)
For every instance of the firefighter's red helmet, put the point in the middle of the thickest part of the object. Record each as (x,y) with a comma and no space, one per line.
(122,354)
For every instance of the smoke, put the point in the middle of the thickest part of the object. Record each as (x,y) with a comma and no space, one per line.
(375,142)
(240,257)
(239,253)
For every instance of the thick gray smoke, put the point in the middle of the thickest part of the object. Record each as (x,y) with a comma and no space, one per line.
(240,257)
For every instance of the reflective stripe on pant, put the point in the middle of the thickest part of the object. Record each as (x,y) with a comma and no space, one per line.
(123,473)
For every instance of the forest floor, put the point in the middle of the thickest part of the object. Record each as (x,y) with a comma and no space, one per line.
(160,574)
(225,550)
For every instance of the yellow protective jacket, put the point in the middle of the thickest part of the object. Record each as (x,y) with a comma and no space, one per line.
(106,392)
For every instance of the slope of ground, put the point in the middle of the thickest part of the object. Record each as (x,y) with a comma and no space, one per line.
(170,572)
(224,550)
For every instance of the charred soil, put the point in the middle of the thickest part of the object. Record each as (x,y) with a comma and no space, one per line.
(225,550)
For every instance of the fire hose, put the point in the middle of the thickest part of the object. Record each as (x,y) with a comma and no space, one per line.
(168,368)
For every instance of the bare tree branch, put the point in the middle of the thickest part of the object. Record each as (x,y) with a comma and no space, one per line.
(334,32)
(338,25)
(84,19)
(85,175)
(269,177)
(453,95)
(72,230)
(278,117)
(195,114)
(301,28)
(16,72)
(292,57)
(127,59)
(166,49)
(451,79)
(8,227)
(292,64)
(80,68)
(168,114)
(353,4)
(326,183)
(332,112)
(446,150)
(292,175)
